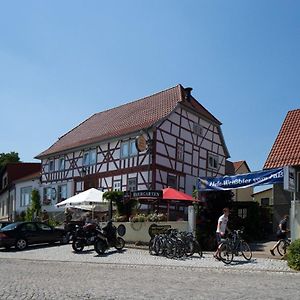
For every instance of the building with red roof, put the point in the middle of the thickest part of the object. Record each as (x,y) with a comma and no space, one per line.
(285,152)
(165,139)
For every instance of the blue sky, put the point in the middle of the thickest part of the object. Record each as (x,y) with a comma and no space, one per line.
(62,61)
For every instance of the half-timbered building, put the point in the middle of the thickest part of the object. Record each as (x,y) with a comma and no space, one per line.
(166,139)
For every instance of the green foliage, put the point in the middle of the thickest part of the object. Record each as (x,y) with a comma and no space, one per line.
(8,157)
(293,255)
(29,214)
(36,202)
(124,206)
(33,212)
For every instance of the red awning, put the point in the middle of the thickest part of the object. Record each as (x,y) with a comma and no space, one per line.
(172,194)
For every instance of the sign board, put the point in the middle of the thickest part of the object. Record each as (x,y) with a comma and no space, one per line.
(155,229)
(147,194)
(140,143)
(240,181)
(289,179)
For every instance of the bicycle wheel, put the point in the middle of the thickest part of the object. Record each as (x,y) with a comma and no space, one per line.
(225,253)
(281,247)
(246,250)
(197,248)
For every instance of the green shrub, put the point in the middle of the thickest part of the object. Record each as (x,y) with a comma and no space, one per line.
(293,255)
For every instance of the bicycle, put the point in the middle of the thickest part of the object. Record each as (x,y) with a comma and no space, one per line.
(233,246)
(282,246)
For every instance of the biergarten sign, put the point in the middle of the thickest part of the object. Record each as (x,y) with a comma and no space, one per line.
(146,194)
(224,183)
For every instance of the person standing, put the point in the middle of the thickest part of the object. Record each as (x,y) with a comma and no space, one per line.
(221,229)
(281,232)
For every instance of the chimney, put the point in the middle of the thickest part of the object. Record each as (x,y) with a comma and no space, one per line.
(188,91)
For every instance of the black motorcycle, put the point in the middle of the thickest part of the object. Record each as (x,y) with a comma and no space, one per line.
(85,236)
(108,238)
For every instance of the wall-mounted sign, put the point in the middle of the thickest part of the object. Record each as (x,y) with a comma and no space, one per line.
(289,179)
(141,143)
(146,194)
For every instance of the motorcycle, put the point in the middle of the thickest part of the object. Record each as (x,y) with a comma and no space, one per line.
(108,238)
(84,236)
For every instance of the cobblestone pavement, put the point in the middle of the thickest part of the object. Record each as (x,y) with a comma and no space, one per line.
(58,273)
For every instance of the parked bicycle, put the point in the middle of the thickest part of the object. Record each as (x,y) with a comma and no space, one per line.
(234,245)
(174,244)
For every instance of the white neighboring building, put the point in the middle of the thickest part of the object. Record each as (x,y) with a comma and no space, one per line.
(22,191)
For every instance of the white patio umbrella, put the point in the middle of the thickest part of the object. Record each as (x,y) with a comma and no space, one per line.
(88,197)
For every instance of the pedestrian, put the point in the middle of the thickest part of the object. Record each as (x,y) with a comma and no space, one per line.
(281,232)
(221,229)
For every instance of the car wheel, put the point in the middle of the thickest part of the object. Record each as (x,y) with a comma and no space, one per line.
(21,244)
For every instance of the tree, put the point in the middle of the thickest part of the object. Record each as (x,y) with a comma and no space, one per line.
(35,209)
(6,158)
(124,206)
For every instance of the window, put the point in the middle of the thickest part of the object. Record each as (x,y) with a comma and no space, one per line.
(132,184)
(197,129)
(44,227)
(133,151)
(62,193)
(61,164)
(264,201)
(86,158)
(117,185)
(180,151)
(242,213)
(213,161)
(48,194)
(25,196)
(171,181)
(89,157)
(5,182)
(128,149)
(51,165)
(93,156)
(298,182)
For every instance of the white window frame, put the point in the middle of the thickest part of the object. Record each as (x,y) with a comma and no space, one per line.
(132,184)
(51,166)
(117,185)
(25,195)
(60,191)
(128,149)
(61,164)
(89,157)
(213,161)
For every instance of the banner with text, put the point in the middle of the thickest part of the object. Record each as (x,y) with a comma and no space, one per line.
(240,181)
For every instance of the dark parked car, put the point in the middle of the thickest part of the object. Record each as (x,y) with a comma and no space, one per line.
(4,223)
(21,234)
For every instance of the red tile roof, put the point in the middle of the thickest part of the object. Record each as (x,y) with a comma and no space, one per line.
(286,149)
(125,119)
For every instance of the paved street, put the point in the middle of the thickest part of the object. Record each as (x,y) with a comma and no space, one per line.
(58,273)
